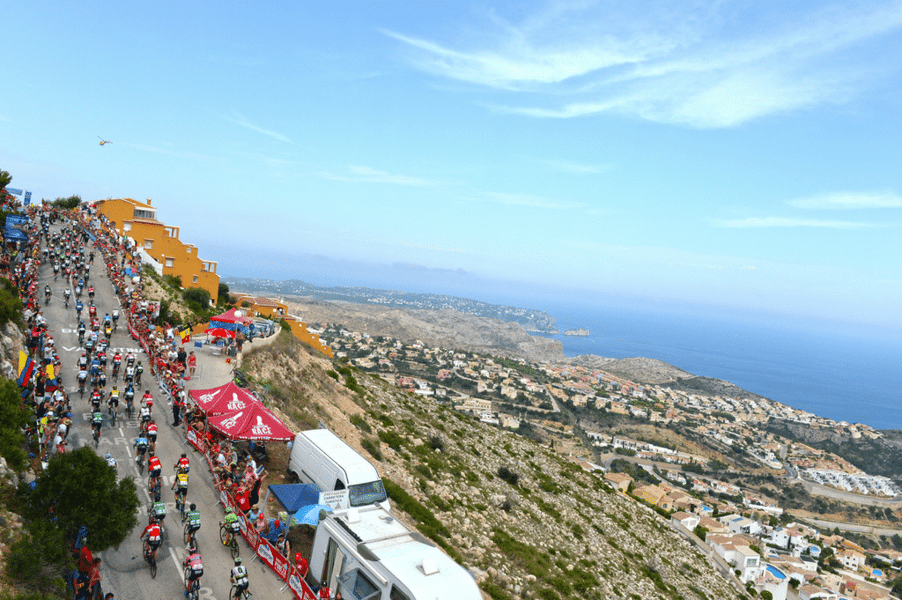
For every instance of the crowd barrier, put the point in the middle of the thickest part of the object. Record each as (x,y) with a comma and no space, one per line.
(263,549)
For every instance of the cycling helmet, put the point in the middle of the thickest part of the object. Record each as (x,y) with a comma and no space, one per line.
(107,455)
(229,510)
(184,456)
(156,496)
(153,518)
(237,560)
(152,452)
(193,506)
(192,548)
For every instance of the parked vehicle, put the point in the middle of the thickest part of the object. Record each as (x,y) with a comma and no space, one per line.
(367,553)
(320,457)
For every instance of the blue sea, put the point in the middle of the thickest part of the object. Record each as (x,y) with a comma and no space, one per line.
(840,371)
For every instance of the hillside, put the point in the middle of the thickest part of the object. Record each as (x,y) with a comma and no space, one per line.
(527,521)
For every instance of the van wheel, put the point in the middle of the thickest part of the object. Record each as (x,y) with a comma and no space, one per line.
(293,477)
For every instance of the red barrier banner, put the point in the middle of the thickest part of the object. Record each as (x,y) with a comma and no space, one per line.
(299,587)
(276,562)
(194,439)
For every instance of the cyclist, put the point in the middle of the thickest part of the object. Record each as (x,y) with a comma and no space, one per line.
(183,465)
(158,509)
(239,578)
(140,445)
(180,485)
(129,396)
(130,358)
(47,294)
(108,330)
(129,373)
(81,332)
(139,370)
(79,306)
(96,421)
(153,534)
(231,523)
(154,466)
(67,294)
(194,569)
(101,379)
(96,398)
(91,292)
(110,460)
(192,518)
(82,380)
(145,419)
(152,434)
(115,317)
(92,312)
(113,401)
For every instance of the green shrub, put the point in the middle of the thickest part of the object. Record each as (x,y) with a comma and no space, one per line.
(429,525)
(392,440)
(508,475)
(371,447)
(361,423)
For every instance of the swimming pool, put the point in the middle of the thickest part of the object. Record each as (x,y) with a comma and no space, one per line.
(776,572)
(876,572)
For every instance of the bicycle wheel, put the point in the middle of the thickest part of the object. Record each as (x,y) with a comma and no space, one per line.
(223,534)
(233,591)
(187,534)
(195,588)
(234,546)
(153,567)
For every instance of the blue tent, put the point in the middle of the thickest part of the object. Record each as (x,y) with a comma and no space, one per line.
(295,496)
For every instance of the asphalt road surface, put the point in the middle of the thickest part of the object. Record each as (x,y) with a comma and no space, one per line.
(123,569)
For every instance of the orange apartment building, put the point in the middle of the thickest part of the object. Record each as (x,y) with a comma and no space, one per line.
(161,242)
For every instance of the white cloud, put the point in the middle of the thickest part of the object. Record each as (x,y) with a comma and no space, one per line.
(850,200)
(359,174)
(701,66)
(785,222)
(239,119)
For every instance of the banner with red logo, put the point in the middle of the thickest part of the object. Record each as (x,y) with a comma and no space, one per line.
(253,423)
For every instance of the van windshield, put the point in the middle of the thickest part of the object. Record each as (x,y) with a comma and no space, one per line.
(366,493)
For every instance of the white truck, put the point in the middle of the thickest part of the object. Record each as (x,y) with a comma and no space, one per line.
(367,554)
(320,457)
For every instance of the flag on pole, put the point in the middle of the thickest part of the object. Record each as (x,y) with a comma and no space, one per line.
(185,334)
(26,368)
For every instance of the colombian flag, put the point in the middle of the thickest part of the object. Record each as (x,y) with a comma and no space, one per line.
(26,368)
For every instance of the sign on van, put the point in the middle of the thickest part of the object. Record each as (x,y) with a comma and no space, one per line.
(338,499)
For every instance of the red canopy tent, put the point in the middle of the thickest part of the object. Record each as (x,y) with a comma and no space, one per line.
(253,423)
(228,398)
(230,316)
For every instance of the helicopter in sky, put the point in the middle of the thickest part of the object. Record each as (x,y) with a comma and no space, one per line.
(103,141)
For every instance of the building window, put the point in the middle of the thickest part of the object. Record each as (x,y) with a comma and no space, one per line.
(126,227)
(194,279)
(148,244)
(169,262)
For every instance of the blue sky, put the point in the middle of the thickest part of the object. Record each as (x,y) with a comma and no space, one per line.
(743,154)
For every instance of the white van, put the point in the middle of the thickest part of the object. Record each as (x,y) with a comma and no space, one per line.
(320,457)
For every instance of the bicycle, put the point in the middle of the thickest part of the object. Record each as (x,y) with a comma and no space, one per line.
(195,586)
(149,557)
(245,594)
(229,539)
(141,464)
(153,486)
(180,505)
(113,413)
(189,536)
(96,435)
(128,408)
